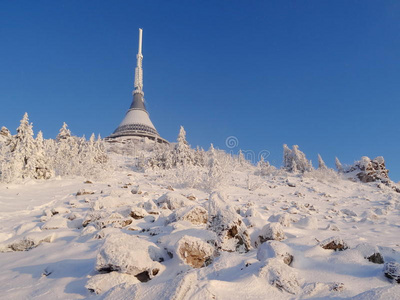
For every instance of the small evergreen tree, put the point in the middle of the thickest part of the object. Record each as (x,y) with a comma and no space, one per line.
(321,163)
(183,153)
(338,164)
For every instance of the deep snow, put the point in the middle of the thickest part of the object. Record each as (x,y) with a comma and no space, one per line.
(136,222)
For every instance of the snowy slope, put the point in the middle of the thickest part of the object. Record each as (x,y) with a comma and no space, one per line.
(138,235)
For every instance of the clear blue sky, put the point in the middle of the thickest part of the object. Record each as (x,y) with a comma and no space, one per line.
(321,74)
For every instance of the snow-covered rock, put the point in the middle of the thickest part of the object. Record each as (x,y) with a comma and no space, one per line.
(84,192)
(174,200)
(280,276)
(103,282)
(115,220)
(271,231)
(55,222)
(30,241)
(310,222)
(138,213)
(275,249)
(370,252)
(334,243)
(130,255)
(196,215)
(392,271)
(194,252)
(228,225)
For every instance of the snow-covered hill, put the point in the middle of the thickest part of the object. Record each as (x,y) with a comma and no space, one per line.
(162,234)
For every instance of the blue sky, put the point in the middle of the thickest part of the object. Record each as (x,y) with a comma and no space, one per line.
(320,74)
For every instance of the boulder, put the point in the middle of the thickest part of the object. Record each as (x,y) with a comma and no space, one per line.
(55,222)
(275,249)
(84,192)
(173,201)
(194,252)
(138,213)
(228,225)
(280,276)
(371,253)
(392,271)
(271,231)
(30,241)
(115,220)
(196,215)
(103,282)
(129,255)
(334,243)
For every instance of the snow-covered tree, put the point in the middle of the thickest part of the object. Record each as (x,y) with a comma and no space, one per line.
(183,152)
(5,136)
(321,163)
(338,164)
(294,160)
(215,174)
(64,133)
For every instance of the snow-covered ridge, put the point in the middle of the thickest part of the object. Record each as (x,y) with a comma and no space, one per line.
(170,222)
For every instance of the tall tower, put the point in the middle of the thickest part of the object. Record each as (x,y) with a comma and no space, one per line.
(137,123)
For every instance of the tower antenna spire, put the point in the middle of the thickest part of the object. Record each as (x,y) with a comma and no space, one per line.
(139,70)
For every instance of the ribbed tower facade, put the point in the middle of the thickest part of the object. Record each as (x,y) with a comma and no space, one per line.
(137,123)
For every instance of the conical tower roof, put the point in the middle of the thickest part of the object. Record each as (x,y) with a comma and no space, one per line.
(137,123)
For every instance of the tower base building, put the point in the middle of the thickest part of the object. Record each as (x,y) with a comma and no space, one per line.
(137,123)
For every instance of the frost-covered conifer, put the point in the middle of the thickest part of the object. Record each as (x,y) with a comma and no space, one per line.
(321,163)
(64,133)
(24,151)
(215,173)
(183,153)
(294,160)
(338,164)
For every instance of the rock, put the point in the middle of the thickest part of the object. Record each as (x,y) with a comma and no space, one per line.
(191,197)
(291,184)
(332,227)
(310,222)
(371,170)
(348,212)
(150,206)
(281,276)
(115,220)
(284,219)
(275,249)
(138,213)
(173,200)
(194,252)
(334,243)
(376,258)
(271,231)
(170,188)
(136,190)
(252,212)
(228,225)
(55,223)
(196,215)
(370,252)
(30,241)
(60,210)
(103,282)
(129,255)
(88,182)
(392,271)
(84,192)
(93,216)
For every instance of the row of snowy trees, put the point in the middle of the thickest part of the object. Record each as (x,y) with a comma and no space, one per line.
(295,161)
(24,156)
(200,168)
